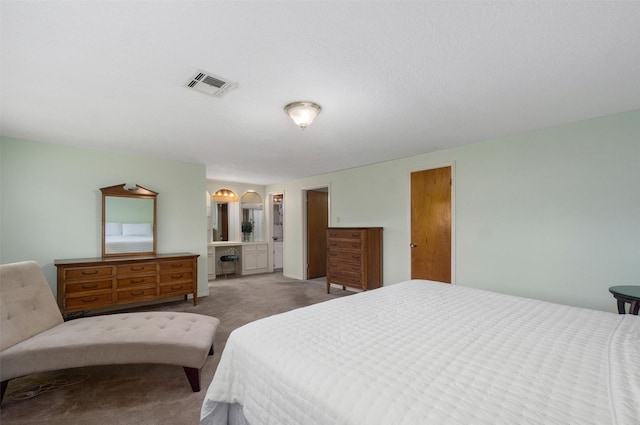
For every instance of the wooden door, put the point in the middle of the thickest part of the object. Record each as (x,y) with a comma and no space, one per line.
(317,223)
(431,225)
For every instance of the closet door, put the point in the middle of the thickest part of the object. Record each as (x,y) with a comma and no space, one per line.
(431,224)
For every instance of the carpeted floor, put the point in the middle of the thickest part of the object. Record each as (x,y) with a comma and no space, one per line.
(155,394)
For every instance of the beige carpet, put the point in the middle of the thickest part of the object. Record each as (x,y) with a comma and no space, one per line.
(155,394)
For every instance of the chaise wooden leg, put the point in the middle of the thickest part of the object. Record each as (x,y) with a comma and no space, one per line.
(3,388)
(193,375)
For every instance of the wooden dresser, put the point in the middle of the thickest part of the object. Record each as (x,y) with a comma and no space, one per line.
(354,257)
(91,283)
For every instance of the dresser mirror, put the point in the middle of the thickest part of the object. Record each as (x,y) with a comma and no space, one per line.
(128,221)
(252,216)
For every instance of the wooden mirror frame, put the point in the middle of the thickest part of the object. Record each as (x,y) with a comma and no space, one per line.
(124,191)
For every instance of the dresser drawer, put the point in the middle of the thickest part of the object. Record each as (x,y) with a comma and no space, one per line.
(136,281)
(355,245)
(339,255)
(345,278)
(345,267)
(177,276)
(87,286)
(168,266)
(87,302)
(87,272)
(176,289)
(132,294)
(136,268)
(344,234)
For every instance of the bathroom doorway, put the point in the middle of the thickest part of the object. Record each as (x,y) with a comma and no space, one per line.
(277,230)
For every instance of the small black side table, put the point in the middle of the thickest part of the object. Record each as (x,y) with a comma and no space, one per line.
(627,294)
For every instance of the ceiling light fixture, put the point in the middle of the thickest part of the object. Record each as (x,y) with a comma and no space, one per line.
(303,113)
(225,195)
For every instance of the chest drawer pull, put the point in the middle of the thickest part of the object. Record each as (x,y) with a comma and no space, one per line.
(177,276)
(89,272)
(89,300)
(333,254)
(95,285)
(135,294)
(176,265)
(136,269)
(175,288)
(137,280)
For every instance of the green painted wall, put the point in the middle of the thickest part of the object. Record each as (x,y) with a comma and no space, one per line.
(552,214)
(50,203)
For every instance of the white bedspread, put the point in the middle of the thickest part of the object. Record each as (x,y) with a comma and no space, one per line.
(118,244)
(422,353)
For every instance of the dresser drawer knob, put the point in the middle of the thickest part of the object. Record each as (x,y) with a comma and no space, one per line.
(135,294)
(137,280)
(175,288)
(88,273)
(89,300)
(176,265)
(137,269)
(177,276)
(95,285)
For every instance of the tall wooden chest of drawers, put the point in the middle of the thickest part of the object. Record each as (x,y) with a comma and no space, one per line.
(354,257)
(92,283)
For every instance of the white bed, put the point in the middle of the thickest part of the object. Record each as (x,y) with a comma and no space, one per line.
(128,237)
(421,352)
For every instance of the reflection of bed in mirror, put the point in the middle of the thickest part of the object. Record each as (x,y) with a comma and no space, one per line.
(128,221)
(128,237)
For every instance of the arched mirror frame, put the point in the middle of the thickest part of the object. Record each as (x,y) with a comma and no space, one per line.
(126,191)
(252,204)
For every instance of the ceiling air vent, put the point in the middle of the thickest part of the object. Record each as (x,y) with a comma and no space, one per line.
(210,84)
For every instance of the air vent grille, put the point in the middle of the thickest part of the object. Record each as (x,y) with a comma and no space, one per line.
(209,84)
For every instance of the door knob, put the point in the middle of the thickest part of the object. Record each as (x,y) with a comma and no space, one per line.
(413,245)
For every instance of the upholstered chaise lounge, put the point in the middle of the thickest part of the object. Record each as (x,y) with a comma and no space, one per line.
(35,338)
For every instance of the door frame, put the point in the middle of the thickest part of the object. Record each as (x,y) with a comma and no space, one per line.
(451,164)
(269,225)
(303,193)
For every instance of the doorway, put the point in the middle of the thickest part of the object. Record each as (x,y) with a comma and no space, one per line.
(317,220)
(277,230)
(431,224)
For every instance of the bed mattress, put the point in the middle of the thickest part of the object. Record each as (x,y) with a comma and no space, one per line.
(421,352)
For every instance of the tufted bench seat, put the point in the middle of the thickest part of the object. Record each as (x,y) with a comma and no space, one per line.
(34,337)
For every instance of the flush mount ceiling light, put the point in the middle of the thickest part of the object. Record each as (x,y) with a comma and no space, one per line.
(303,113)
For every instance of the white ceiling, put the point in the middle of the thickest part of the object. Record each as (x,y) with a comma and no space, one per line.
(394,79)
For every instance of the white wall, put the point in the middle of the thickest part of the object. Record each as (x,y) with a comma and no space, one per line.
(552,214)
(51,203)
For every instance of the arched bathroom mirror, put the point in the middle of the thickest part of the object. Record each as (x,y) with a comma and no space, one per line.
(224,215)
(252,216)
(128,221)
